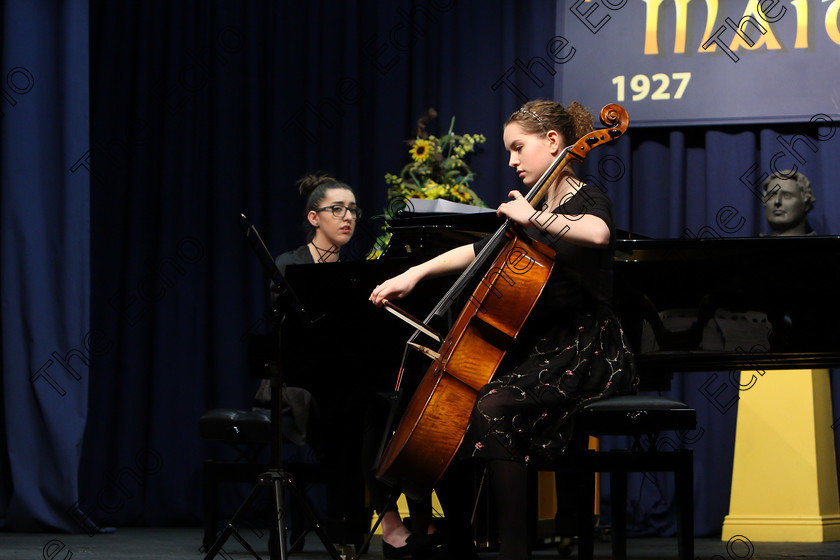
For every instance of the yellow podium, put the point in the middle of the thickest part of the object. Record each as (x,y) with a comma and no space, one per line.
(784,476)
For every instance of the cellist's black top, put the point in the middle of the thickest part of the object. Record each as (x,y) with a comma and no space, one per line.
(582,276)
(570,351)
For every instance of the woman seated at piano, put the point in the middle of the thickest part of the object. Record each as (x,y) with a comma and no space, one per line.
(329,222)
(331,216)
(571,349)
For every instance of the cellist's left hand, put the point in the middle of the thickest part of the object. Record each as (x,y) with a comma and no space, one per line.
(518,209)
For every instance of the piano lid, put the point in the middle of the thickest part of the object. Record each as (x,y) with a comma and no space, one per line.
(697,304)
(421,236)
(693,304)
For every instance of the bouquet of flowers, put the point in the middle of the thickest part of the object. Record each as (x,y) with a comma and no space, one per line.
(438,167)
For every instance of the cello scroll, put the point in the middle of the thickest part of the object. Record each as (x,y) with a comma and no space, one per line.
(612,116)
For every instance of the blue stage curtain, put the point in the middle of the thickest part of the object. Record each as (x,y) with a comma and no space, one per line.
(48,344)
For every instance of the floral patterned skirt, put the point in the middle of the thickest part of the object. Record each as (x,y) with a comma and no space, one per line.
(526,412)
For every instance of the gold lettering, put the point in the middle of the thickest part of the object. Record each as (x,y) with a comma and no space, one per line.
(831,21)
(801,7)
(755,28)
(652,8)
(765,38)
(711,16)
(681,7)
(651,26)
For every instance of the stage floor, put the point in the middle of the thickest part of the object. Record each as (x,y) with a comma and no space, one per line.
(184,544)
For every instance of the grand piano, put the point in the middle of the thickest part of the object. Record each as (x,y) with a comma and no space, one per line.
(730,304)
(686,305)
(693,304)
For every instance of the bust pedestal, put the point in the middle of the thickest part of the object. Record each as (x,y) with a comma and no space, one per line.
(784,476)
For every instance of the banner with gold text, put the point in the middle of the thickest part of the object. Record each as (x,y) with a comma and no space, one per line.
(702,62)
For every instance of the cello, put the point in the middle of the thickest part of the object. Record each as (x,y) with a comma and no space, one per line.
(436,418)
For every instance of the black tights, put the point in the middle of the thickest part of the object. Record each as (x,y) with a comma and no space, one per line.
(509,484)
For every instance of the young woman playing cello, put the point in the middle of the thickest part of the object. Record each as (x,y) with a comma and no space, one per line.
(571,349)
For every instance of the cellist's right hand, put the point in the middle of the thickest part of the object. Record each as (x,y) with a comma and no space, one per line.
(400,286)
(394,288)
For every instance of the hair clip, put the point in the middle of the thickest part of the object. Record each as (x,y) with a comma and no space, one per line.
(531,113)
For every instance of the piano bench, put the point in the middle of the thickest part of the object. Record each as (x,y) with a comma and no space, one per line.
(248,432)
(637,416)
(242,429)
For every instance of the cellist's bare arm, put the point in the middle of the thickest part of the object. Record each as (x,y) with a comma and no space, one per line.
(585,229)
(454,260)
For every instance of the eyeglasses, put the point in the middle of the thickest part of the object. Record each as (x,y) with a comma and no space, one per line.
(339,211)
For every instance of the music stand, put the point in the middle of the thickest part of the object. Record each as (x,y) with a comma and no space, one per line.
(276,476)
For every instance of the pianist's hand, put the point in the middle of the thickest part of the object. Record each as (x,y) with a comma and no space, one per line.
(395,288)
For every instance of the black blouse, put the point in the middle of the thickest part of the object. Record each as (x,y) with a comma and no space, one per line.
(582,277)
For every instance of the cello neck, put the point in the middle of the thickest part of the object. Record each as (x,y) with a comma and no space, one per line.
(538,191)
(534,195)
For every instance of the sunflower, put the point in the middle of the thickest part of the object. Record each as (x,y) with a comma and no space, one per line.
(437,170)
(421,150)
